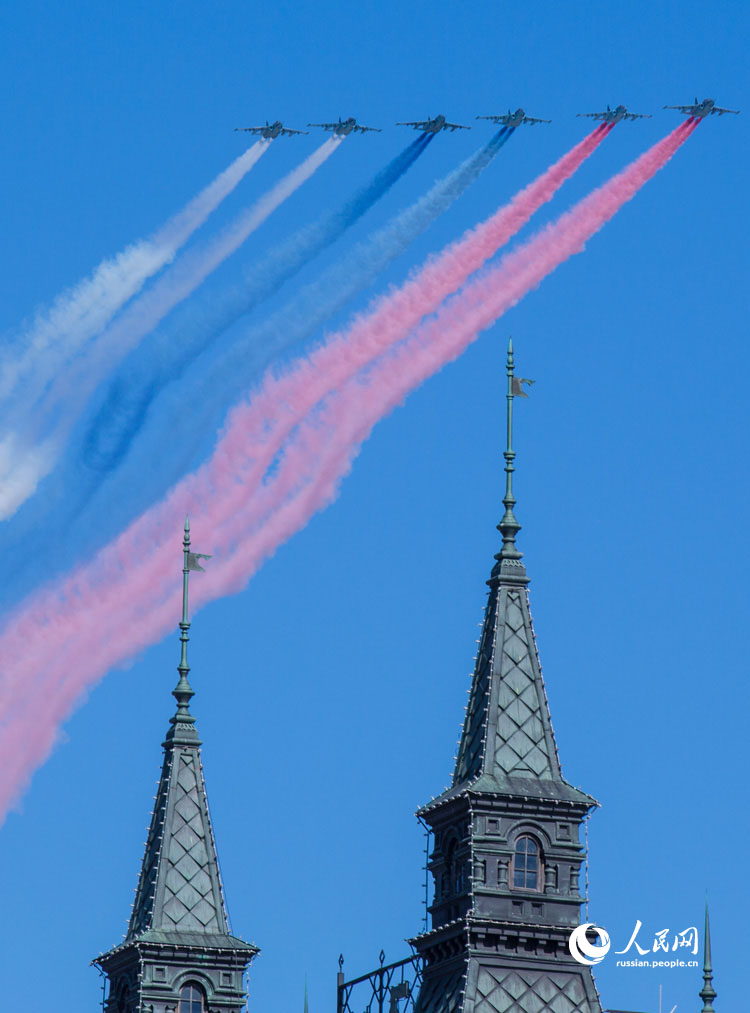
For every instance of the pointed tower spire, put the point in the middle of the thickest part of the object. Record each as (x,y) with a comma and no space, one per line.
(507,834)
(707,993)
(509,526)
(178,944)
(182,722)
(507,732)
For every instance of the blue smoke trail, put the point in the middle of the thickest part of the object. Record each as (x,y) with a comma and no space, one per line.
(90,508)
(193,329)
(309,309)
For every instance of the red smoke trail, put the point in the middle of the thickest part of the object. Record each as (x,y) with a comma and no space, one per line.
(285,402)
(67,636)
(394,316)
(281,403)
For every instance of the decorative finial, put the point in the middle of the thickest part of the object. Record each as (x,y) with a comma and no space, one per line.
(182,722)
(509,558)
(183,691)
(707,993)
(509,526)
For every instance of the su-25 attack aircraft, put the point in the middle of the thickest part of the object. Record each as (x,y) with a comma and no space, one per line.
(271,130)
(616,114)
(705,108)
(433,126)
(515,119)
(345,127)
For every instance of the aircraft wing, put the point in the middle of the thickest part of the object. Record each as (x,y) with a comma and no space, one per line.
(720,111)
(594,116)
(534,119)
(252,130)
(682,109)
(495,119)
(289,131)
(418,125)
(454,126)
(364,130)
(325,126)
(638,116)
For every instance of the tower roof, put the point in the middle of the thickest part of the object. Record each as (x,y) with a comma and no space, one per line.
(179,887)
(507,744)
(507,852)
(179,898)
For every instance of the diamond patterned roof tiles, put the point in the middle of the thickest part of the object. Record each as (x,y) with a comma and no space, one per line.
(507,734)
(506,990)
(179,889)
(501,990)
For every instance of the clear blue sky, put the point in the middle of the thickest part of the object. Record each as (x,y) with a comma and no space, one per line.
(330,692)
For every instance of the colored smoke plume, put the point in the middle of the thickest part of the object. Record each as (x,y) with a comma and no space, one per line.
(171,351)
(65,637)
(82,312)
(39,432)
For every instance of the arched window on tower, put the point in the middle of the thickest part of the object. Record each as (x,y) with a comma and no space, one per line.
(192,998)
(526,873)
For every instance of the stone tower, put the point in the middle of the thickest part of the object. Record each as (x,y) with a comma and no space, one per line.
(507,850)
(179,955)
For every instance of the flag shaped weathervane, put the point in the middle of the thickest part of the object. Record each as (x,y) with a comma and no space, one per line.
(193,557)
(191,562)
(515,383)
(517,389)
(509,526)
(183,722)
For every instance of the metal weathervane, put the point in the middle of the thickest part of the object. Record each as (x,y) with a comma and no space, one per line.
(509,526)
(191,561)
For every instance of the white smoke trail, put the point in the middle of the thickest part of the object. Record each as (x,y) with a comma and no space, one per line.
(80,313)
(40,429)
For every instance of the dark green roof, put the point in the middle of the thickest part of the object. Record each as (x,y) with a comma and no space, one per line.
(515,787)
(508,744)
(190,940)
(179,888)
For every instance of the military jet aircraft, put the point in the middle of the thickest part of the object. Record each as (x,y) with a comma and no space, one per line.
(345,127)
(705,108)
(271,130)
(515,119)
(617,114)
(434,126)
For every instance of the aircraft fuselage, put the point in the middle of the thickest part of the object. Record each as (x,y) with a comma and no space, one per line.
(703,108)
(615,115)
(515,119)
(272,130)
(345,127)
(433,126)
(699,110)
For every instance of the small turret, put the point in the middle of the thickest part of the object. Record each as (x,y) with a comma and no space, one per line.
(178,947)
(507,850)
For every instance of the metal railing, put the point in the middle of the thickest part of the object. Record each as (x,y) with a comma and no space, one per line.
(390,988)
